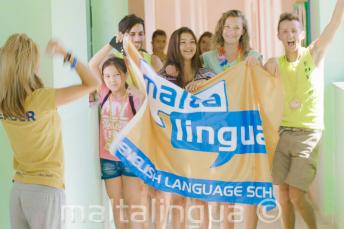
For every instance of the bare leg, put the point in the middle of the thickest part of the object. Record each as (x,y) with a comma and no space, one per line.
(228,210)
(162,204)
(251,218)
(114,191)
(215,215)
(288,213)
(300,202)
(135,195)
(178,211)
(148,201)
(201,216)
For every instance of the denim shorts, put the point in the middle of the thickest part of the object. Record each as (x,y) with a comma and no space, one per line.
(111,169)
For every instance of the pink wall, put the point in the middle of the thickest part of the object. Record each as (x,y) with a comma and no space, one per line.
(136,7)
(202,15)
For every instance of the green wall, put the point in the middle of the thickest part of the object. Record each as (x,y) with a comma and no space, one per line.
(105,17)
(6,172)
(339,155)
(31,17)
(70,22)
(327,178)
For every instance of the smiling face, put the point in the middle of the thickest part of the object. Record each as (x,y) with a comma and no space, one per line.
(291,34)
(137,35)
(187,46)
(232,30)
(114,79)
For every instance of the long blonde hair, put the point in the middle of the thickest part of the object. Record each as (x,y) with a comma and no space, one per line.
(19,59)
(244,42)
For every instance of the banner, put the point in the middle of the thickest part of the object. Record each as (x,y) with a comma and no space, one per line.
(215,145)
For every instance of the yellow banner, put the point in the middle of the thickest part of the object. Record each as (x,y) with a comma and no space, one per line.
(216,144)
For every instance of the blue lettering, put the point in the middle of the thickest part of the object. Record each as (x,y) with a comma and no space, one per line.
(168,98)
(226,133)
(182,100)
(213,101)
(195,101)
(150,82)
(178,98)
(30,116)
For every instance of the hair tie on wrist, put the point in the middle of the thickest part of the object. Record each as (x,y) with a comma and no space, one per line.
(75,61)
(67,57)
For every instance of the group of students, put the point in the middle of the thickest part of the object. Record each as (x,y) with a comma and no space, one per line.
(28,111)
(159,39)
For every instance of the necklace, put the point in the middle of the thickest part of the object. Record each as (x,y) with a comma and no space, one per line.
(224,61)
(117,120)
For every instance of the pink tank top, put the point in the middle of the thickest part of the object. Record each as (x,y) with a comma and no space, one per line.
(114,115)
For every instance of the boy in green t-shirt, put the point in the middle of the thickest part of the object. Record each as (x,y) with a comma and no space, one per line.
(294,165)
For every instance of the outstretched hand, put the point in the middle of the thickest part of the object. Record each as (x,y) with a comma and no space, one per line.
(54,48)
(119,37)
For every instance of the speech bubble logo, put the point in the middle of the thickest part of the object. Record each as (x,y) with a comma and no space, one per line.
(201,122)
(225,133)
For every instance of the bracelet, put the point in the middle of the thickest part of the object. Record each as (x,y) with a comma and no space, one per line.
(75,61)
(67,57)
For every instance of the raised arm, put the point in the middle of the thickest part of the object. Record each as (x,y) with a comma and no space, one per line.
(319,48)
(89,82)
(98,59)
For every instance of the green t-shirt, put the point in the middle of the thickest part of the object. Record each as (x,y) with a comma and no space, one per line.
(303,92)
(211,60)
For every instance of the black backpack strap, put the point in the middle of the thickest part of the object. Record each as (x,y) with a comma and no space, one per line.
(131,102)
(132,106)
(105,98)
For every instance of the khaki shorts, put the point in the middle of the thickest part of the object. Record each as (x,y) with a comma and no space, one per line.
(296,156)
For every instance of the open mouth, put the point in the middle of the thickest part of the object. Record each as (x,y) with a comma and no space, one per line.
(291,44)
